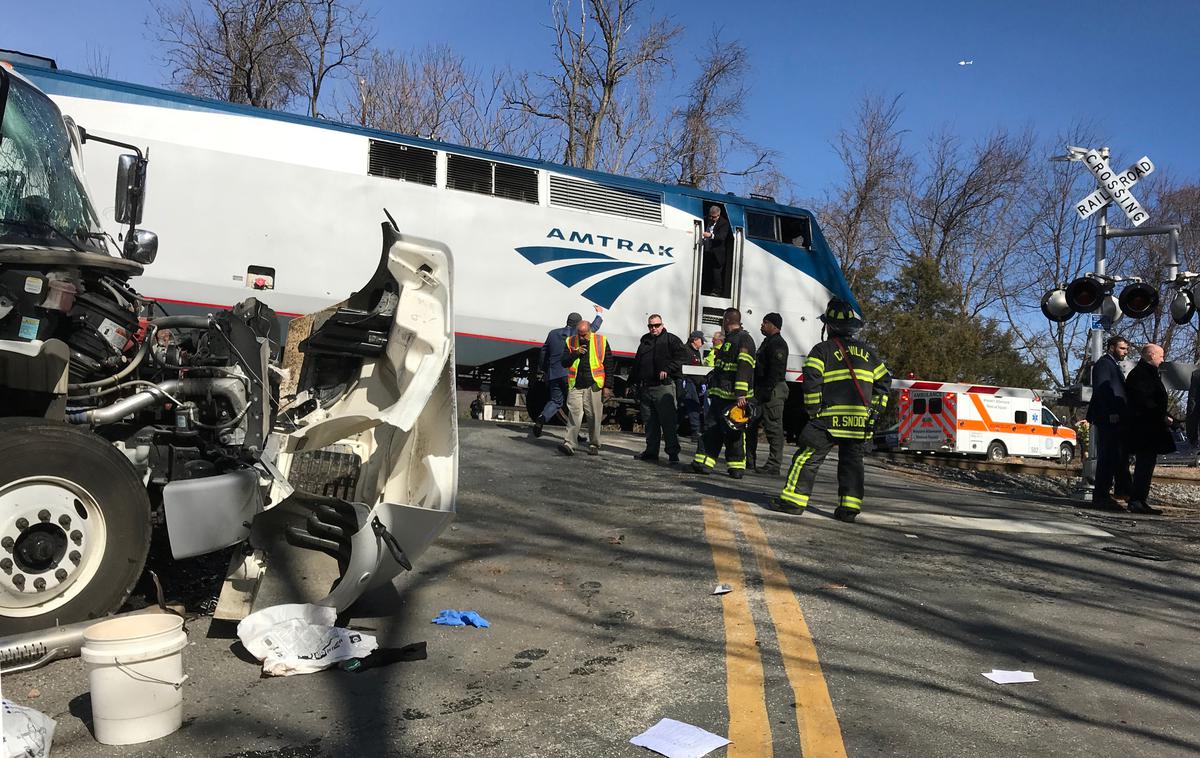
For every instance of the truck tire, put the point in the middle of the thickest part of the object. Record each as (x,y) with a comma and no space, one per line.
(74,525)
(1066,454)
(997,451)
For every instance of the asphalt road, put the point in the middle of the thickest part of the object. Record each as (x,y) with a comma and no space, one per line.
(861,640)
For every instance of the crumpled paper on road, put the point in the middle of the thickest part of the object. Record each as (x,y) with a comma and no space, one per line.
(300,638)
(26,733)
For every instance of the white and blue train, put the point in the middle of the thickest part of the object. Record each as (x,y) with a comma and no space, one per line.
(249,198)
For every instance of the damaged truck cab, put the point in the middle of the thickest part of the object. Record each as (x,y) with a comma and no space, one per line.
(116,416)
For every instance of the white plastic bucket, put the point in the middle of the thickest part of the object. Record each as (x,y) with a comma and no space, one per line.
(135,671)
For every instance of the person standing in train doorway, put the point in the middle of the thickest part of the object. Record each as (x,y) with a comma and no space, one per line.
(718,236)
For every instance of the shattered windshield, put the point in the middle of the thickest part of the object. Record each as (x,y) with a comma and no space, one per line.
(42,199)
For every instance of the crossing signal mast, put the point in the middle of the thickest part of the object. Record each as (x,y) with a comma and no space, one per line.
(1094,291)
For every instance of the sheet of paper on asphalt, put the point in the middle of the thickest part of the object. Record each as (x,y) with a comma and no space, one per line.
(676,739)
(1010,677)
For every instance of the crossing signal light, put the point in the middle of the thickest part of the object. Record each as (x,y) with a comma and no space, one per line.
(1183,307)
(1055,306)
(1138,300)
(1085,294)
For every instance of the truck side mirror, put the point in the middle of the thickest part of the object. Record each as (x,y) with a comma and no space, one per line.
(141,246)
(131,189)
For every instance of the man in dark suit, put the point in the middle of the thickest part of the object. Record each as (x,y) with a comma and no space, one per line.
(1147,424)
(718,239)
(1105,413)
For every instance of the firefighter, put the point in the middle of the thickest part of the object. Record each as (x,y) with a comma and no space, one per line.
(845,387)
(730,384)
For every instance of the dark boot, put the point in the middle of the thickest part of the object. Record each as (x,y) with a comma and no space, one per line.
(783,506)
(842,513)
(537,428)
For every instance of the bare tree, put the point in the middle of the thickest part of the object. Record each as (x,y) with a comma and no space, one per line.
(703,136)
(243,51)
(598,57)
(98,62)
(410,94)
(432,93)
(1059,248)
(335,38)
(857,214)
(963,212)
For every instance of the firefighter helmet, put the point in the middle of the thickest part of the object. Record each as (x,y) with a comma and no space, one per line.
(739,419)
(840,317)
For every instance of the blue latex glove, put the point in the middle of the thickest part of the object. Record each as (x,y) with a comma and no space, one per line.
(474,619)
(461,618)
(449,618)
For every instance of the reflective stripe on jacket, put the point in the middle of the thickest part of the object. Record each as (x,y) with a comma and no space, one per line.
(830,396)
(597,352)
(733,367)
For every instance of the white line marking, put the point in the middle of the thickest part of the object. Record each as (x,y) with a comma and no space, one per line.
(1015,526)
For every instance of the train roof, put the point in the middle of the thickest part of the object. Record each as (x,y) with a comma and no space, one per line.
(57,81)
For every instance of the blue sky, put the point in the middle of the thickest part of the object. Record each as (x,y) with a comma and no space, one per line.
(1130,69)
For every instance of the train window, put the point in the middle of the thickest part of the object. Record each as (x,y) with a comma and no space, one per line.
(760,226)
(795,230)
(517,183)
(468,174)
(394,161)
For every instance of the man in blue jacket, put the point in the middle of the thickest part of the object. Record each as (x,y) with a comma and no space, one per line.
(1105,413)
(550,366)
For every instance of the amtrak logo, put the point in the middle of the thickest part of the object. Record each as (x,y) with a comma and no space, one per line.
(571,267)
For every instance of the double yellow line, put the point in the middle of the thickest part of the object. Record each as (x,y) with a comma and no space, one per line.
(749,724)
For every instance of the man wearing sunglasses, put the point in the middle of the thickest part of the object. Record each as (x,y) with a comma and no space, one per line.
(657,366)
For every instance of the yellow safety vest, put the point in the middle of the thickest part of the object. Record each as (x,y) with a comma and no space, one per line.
(597,351)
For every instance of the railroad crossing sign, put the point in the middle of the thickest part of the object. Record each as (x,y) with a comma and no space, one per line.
(1114,187)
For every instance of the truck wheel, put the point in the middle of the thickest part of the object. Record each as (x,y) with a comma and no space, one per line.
(1066,454)
(996,451)
(74,525)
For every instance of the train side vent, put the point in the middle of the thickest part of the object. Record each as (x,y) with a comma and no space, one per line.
(568,192)
(394,161)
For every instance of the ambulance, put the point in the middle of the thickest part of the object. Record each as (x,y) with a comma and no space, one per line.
(972,419)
